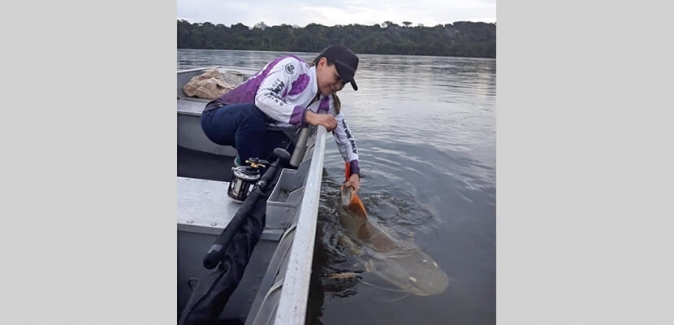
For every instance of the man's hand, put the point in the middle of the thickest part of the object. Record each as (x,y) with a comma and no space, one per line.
(326,120)
(354,181)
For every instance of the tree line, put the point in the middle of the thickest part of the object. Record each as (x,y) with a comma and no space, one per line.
(462,39)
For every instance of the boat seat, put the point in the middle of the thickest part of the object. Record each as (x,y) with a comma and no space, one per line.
(191,106)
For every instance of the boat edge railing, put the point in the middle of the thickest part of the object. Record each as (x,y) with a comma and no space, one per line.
(294,295)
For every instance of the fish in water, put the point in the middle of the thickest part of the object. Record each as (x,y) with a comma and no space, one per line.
(405,266)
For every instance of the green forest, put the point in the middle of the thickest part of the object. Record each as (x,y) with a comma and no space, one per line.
(461,39)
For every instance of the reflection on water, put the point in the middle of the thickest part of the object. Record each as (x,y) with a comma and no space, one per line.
(425,129)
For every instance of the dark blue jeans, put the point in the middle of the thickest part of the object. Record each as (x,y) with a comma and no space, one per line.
(244,127)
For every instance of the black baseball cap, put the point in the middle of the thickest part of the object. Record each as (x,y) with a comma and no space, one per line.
(344,60)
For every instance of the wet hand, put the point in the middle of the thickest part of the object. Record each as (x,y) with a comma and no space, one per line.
(354,181)
(326,120)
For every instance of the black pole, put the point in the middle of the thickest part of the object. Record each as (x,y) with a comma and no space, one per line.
(261,191)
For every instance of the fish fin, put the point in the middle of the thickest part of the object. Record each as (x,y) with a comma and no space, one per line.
(342,275)
(356,206)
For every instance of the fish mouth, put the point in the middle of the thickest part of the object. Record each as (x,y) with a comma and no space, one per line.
(422,286)
(434,285)
(415,273)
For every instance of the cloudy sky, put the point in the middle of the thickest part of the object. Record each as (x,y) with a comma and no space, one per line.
(330,13)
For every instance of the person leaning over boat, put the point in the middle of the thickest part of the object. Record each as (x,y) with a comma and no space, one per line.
(288,93)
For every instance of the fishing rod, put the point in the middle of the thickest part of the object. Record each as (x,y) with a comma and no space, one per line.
(261,190)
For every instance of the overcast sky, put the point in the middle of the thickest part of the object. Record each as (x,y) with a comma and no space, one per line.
(330,13)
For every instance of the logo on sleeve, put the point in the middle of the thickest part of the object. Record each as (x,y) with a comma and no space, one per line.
(277,86)
(290,68)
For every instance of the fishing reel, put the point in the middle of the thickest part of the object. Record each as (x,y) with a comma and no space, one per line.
(244,179)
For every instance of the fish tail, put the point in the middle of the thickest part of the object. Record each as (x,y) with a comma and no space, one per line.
(356,206)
